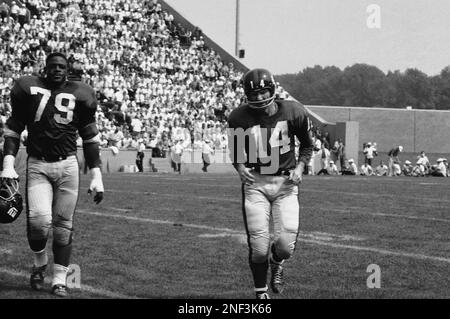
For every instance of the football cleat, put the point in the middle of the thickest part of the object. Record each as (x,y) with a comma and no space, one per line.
(276,282)
(60,291)
(37,277)
(262,295)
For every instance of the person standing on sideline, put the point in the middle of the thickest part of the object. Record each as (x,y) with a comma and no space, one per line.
(54,110)
(261,140)
(176,152)
(140,155)
(207,152)
(324,154)
(369,153)
(341,154)
(393,159)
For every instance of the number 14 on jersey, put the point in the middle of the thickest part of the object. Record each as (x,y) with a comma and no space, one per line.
(278,138)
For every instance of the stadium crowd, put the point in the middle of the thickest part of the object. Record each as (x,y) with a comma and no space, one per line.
(156,82)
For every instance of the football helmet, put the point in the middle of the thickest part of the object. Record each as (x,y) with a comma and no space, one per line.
(11,202)
(256,80)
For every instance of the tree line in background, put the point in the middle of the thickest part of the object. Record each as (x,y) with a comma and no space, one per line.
(367,86)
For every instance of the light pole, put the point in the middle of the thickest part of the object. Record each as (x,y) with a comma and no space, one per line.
(237,29)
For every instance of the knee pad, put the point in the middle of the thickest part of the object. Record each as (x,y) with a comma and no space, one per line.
(37,245)
(258,257)
(259,251)
(284,246)
(38,228)
(62,236)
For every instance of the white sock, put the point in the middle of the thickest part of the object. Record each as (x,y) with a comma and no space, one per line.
(261,290)
(59,275)
(40,258)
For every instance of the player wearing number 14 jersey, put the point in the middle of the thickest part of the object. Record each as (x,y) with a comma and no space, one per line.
(54,111)
(261,137)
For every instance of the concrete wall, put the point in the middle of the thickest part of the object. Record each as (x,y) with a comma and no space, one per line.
(111,162)
(416,130)
(349,133)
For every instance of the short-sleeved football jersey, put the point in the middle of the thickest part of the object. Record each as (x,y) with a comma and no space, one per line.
(254,136)
(52,115)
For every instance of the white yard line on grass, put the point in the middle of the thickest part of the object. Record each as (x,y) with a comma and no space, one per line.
(87,288)
(359,210)
(310,190)
(226,199)
(311,241)
(119,209)
(380,251)
(222,232)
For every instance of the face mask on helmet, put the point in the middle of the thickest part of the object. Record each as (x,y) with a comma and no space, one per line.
(259,82)
(11,203)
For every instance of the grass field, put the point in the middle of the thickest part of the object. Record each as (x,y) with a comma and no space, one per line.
(182,236)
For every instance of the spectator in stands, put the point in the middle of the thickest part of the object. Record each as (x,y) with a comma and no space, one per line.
(381,169)
(14,11)
(115,137)
(394,159)
(4,10)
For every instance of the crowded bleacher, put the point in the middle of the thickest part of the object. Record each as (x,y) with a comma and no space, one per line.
(156,81)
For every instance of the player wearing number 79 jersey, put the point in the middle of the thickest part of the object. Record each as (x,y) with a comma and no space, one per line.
(261,137)
(54,111)
(52,115)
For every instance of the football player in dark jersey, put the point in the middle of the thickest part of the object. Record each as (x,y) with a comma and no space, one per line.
(53,110)
(262,146)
